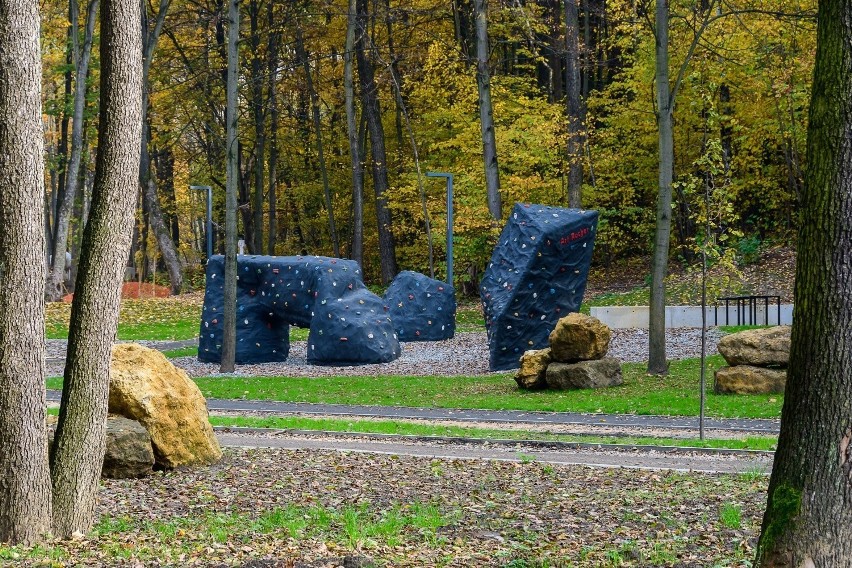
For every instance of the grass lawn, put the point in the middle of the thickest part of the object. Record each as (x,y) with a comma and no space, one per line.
(153,318)
(401,427)
(675,394)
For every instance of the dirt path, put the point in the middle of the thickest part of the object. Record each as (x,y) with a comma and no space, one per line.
(647,460)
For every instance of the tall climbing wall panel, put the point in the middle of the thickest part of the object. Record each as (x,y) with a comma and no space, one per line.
(537,274)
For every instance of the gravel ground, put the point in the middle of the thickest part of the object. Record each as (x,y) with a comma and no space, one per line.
(465,354)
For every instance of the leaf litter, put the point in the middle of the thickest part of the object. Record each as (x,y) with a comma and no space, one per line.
(272,507)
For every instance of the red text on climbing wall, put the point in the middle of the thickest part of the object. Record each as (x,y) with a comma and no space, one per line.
(571,237)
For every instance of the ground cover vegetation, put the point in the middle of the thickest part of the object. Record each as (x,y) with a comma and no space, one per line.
(320,507)
(675,394)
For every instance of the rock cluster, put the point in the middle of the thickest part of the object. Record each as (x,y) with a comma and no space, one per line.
(576,358)
(758,361)
(157,416)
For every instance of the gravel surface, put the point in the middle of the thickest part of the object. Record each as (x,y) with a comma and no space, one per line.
(465,354)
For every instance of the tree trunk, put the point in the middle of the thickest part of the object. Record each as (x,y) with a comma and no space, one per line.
(808,519)
(272,77)
(80,440)
(486,113)
(357,252)
(81,58)
(657,363)
(373,114)
(574,105)
(259,127)
(302,55)
(146,181)
(229,315)
(24,476)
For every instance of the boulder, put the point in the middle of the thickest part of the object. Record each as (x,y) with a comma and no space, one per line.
(594,374)
(747,379)
(578,337)
(534,364)
(146,387)
(128,448)
(768,347)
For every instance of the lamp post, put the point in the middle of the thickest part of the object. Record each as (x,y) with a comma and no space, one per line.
(449,178)
(209,229)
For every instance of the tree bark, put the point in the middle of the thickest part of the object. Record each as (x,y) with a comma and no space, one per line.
(25,497)
(259,116)
(357,252)
(657,363)
(808,519)
(229,312)
(146,181)
(574,105)
(486,113)
(302,55)
(373,114)
(81,58)
(272,77)
(80,440)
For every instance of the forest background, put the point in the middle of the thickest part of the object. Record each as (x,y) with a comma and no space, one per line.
(739,125)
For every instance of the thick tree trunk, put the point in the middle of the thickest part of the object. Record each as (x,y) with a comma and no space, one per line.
(259,116)
(80,441)
(373,114)
(486,113)
(808,519)
(24,476)
(660,261)
(357,252)
(229,315)
(574,105)
(81,58)
(303,56)
(272,77)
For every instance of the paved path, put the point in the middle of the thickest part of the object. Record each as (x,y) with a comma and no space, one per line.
(509,416)
(756,426)
(758,462)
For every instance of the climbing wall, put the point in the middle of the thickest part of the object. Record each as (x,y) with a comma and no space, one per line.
(421,308)
(537,275)
(274,292)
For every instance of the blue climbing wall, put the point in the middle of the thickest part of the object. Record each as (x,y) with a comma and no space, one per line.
(421,308)
(537,274)
(274,292)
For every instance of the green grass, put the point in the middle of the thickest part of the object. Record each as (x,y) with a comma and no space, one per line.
(675,394)
(190,351)
(739,328)
(418,429)
(730,516)
(636,297)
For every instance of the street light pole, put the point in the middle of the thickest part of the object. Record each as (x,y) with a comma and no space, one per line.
(209,216)
(449,178)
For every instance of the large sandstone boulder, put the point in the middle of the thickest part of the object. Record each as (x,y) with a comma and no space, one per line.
(145,386)
(128,448)
(769,347)
(747,379)
(578,337)
(595,374)
(534,364)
